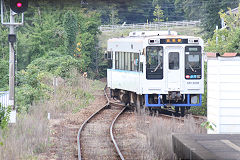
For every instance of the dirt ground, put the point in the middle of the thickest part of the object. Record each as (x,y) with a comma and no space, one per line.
(132,141)
(64,130)
(134,133)
(95,138)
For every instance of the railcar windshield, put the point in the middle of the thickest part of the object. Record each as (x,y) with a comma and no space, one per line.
(173,60)
(154,62)
(193,62)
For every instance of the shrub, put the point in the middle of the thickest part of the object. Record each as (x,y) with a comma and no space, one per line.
(4,116)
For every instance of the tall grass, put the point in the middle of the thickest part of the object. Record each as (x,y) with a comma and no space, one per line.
(159,132)
(26,138)
(30,136)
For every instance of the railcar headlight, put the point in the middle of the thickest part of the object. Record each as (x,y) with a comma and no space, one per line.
(194,99)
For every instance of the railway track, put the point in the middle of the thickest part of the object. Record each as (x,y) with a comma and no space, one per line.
(95,136)
(197,119)
(96,139)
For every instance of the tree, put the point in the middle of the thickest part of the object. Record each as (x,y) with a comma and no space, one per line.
(71,29)
(228,39)
(43,34)
(171,12)
(88,37)
(114,15)
(211,17)
(191,9)
(3,74)
(158,13)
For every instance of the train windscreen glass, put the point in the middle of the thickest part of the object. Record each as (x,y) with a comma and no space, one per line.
(193,62)
(154,65)
(173,58)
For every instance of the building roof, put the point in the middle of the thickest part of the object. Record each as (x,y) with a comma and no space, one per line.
(211,54)
(235,11)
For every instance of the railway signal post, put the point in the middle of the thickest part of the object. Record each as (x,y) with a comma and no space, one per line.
(16,7)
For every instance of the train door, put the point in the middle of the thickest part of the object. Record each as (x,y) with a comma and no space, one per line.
(174,56)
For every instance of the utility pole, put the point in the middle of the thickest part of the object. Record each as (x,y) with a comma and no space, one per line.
(12,63)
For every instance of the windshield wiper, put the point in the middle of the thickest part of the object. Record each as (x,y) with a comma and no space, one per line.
(191,67)
(156,67)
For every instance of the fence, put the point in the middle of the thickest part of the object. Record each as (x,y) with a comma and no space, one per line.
(4,98)
(151,26)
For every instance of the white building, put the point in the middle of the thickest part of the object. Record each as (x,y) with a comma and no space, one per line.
(223,96)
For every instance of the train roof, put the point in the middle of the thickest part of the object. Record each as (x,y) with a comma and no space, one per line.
(138,36)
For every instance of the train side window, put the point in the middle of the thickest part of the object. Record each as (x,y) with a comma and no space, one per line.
(136,61)
(173,58)
(109,55)
(116,60)
(132,61)
(128,61)
(105,55)
(125,61)
(122,60)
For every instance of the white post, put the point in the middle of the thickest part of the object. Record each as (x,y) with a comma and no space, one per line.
(216,36)
(11,64)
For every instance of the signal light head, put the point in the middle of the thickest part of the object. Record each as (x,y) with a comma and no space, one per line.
(18,6)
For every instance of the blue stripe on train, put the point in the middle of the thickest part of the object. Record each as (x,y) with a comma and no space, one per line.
(180,105)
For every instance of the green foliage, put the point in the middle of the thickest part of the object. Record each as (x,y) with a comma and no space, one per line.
(114,15)
(203,109)
(208,125)
(158,12)
(4,119)
(192,9)
(4,74)
(4,116)
(211,17)
(71,29)
(56,64)
(90,55)
(172,10)
(42,35)
(4,51)
(4,56)
(228,39)
(31,87)
(46,45)
(85,96)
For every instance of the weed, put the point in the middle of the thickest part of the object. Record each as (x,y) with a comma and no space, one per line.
(30,136)
(159,133)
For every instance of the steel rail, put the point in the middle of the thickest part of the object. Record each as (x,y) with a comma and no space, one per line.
(112,137)
(85,122)
(182,118)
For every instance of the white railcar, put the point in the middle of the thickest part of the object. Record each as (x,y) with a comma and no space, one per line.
(156,68)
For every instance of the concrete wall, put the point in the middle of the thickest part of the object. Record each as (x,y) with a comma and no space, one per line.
(224,94)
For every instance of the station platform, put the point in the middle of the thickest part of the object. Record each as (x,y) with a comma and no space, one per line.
(207,146)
